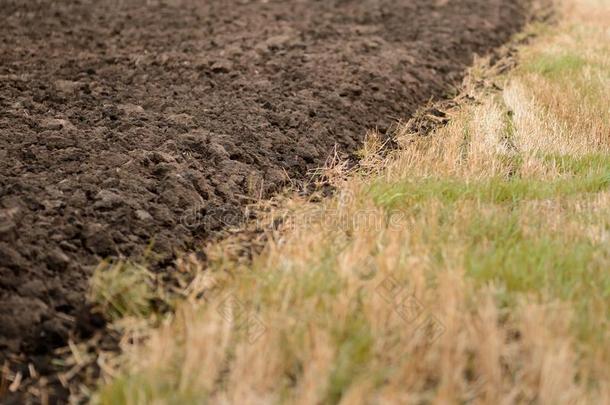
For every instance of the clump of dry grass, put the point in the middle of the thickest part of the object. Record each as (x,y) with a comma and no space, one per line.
(122,289)
(469,266)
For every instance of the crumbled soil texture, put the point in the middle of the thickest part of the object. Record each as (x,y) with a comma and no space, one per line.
(129,121)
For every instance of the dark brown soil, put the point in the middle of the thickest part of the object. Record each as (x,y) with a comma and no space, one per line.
(129,122)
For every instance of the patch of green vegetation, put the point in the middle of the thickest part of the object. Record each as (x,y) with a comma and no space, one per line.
(122,289)
(569,269)
(355,348)
(556,65)
(525,264)
(580,165)
(499,249)
(584,78)
(144,389)
(497,190)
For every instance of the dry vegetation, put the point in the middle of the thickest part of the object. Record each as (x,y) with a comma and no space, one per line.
(471,265)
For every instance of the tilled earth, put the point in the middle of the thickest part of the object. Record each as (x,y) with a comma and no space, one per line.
(126,123)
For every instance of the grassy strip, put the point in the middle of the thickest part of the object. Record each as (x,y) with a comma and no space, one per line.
(471,266)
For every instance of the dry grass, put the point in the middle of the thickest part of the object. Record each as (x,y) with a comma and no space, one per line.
(469,267)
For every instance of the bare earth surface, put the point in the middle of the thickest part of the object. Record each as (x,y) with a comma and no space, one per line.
(121,121)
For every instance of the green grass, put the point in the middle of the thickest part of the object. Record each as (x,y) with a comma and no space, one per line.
(544,264)
(539,262)
(556,66)
(355,346)
(580,165)
(501,250)
(122,289)
(145,388)
(580,74)
(413,192)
